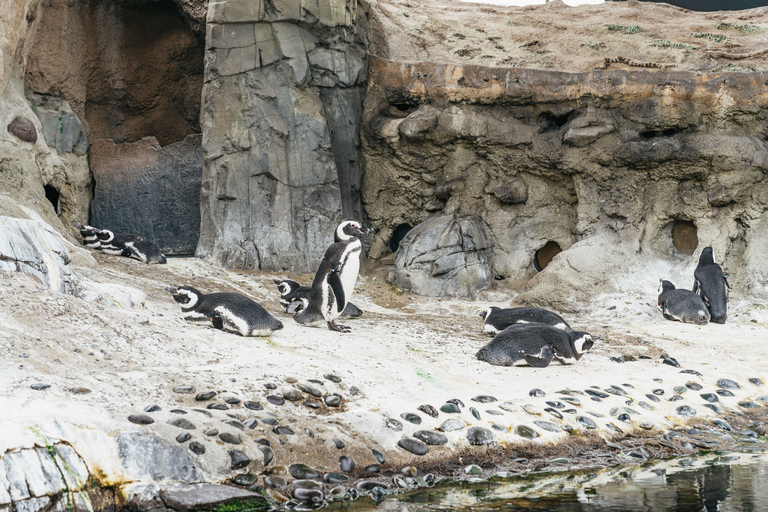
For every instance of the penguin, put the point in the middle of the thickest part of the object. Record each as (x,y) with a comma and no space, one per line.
(536,344)
(335,279)
(497,319)
(131,246)
(682,305)
(90,236)
(291,291)
(226,311)
(712,284)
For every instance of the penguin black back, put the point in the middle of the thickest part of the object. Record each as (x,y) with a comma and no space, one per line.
(712,284)
(291,292)
(682,305)
(517,341)
(497,319)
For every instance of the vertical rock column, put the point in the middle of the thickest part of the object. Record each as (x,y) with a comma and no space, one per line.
(282,100)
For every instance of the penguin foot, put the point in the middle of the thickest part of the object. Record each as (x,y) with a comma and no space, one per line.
(338,327)
(543,359)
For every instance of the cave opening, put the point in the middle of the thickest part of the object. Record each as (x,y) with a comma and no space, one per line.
(52,194)
(685,237)
(397,236)
(544,256)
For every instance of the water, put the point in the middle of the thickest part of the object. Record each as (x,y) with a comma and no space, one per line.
(728,483)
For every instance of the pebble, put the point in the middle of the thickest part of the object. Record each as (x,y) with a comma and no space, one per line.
(40,387)
(218,407)
(475,413)
(727,384)
(232,400)
(625,418)
(152,408)
(526,432)
(251,422)
(275,400)
(354,391)
(587,422)
(379,456)
(311,405)
(763,398)
(508,406)
(269,421)
(197,448)
(546,425)
(291,380)
(724,392)
(310,390)
(430,437)
(236,424)
(671,361)
(556,404)
(756,382)
(692,372)
(571,400)
(473,469)
(269,454)
(536,392)
(211,432)
(570,392)
(294,395)
(202,397)
(484,399)
(679,390)
(182,423)
(332,400)
(685,411)
(275,481)
(302,472)
(309,433)
(596,414)
(283,431)
(428,410)
(414,446)
(455,401)
(450,408)
(373,468)
(595,393)
(479,436)
(570,411)
(748,405)
(714,408)
(693,386)
(79,390)
(393,424)
(184,390)
(646,406)
(347,464)
(140,419)
(333,378)
(335,478)
(451,425)
(532,409)
(245,480)
(723,425)
(675,398)
(647,425)
(230,438)
(710,397)
(309,496)
(307,484)
(270,385)
(411,418)
(239,459)
(616,390)
(338,442)
(178,411)
(554,413)
(652,398)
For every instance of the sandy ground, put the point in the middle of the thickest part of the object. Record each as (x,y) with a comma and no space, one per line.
(404,352)
(570,38)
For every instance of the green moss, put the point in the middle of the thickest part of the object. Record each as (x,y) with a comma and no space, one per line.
(255,504)
(631,29)
(718,38)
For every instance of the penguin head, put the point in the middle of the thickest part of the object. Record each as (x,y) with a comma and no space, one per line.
(350,229)
(487,312)
(707,256)
(187,296)
(105,235)
(88,231)
(583,341)
(286,286)
(297,304)
(665,285)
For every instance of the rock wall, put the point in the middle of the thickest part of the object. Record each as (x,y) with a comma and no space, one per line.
(606,161)
(281,110)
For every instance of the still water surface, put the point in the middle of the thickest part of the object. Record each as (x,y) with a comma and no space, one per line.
(732,482)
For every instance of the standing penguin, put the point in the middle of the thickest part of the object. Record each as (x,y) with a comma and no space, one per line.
(682,305)
(712,284)
(537,344)
(132,246)
(291,291)
(227,311)
(335,278)
(497,319)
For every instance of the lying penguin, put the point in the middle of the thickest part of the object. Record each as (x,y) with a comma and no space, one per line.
(536,344)
(712,284)
(291,292)
(497,319)
(682,305)
(226,311)
(131,246)
(90,236)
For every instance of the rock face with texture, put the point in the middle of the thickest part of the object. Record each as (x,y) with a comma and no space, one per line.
(605,172)
(62,129)
(149,190)
(445,255)
(282,103)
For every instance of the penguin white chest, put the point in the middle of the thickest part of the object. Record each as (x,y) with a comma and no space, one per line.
(350,269)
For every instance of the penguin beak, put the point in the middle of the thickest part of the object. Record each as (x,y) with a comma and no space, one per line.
(170,289)
(481,314)
(364,231)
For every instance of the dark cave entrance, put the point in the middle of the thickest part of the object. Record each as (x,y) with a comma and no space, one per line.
(52,194)
(544,256)
(397,236)
(685,237)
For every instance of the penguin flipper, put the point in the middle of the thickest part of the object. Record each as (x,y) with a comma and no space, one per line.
(338,289)
(543,359)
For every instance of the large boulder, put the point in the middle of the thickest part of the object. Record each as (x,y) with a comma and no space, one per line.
(444,256)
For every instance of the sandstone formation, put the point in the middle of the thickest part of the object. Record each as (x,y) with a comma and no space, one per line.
(281,109)
(148,190)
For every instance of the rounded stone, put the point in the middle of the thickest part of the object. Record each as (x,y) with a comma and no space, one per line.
(652,398)
(294,395)
(346,464)
(183,437)
(616,390)
(302,472)
(714,408)
(152,408)
(500,428)
(23,128)
(450,408)
(307,484)
(197,448)
(310,496)
(508,406)
(218,407)
(724,393)
(268,453)
(272,422)
(245,480)
(671,361)
(595,393)
(393,424)
(335,478)
(475,413)
(354,391)
(79,390)
(455,401)
(554,413)
(526,432)
(211,432)
(230,438)
(479,436)
(332,400)
(587,422)
(430,437)
(536,392)
(494,412)
(727,384)
(40,387)
(723,425)
(231,400)
(311,405)
(532,409)
(270,385)
(646,406)
(140,419)
(182,423)
(679,390)
(414,446)
(379,456)
(184,390)
(239,459)
(675,398)
(275,400)
(685,411)
(451,425)
(483,399)
(236,424)
(428,410)
(178,411)
(658,392)
(748,405)
(555,404)
(338,442)
(275,481)
(283,431)
(693,386)
(710,397)
(202,397)
(756,382)
(546,425)
(411,418)
(310,390)
(262,441)
(373,468)
(333,378)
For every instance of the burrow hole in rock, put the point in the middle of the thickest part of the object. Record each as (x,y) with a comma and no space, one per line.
(52,194)
(685,237)
(543,256)
(397,236)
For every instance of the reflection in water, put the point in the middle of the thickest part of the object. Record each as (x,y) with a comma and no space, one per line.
(733,483)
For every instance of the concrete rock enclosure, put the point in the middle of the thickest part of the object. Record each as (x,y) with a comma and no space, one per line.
(282,99)
(606,161)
